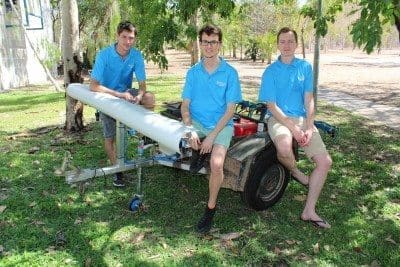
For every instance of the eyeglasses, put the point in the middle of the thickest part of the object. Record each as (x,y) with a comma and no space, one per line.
(206,43)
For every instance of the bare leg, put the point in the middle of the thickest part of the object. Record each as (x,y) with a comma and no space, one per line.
(283,144)
(317,179)
(110,150)
(217,174)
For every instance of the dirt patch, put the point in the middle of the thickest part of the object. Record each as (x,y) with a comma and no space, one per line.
(374,77)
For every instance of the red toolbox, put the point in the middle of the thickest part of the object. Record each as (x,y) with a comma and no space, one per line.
(244,127)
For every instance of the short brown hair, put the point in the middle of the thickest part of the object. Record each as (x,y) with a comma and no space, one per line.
(285,30)
(126,26)
(210,29)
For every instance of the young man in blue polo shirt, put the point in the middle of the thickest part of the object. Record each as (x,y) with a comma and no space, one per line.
(287,89)
(113,74)
(211,90)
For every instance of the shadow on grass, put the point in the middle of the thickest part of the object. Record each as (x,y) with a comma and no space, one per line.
(20,102)
(358,199)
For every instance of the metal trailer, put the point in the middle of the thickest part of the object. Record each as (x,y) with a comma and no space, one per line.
(251,166)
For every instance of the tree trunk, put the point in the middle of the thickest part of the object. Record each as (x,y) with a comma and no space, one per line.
(397,23)
(194,51)
(316,56)
(303,49)
(72,63)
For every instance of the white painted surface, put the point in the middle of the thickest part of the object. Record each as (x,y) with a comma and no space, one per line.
(167,132)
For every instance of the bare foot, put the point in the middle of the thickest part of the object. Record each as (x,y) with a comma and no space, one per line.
(316,221)
(300,177)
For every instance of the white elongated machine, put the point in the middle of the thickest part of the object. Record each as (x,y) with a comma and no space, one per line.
(167,132)
(250,166)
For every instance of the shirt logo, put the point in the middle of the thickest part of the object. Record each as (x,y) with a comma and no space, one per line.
(221,84)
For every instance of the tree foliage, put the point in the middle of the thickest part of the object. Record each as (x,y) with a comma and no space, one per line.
(163,21)
(367,30)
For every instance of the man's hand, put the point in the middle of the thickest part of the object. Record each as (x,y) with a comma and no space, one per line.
(298,135)
(307,136)
(127,96)
(194,140)
(137,99)
(206,146)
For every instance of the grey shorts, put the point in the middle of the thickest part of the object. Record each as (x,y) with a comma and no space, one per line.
(109,123)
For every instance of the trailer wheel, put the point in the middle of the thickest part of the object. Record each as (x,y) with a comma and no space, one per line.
(267,183)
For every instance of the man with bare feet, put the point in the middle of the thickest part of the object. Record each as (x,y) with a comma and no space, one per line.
(287,89)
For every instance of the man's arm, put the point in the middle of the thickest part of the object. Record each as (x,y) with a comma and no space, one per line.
(186,119)
(309,104)
(141,92)
(95,86)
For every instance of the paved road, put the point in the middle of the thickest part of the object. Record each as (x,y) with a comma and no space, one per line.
(385,114)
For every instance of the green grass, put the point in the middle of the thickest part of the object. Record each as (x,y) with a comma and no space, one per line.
(361,199)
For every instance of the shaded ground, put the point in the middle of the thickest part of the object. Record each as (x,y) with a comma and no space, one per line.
(374,77)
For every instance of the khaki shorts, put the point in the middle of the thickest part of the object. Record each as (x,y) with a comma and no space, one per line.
(316,145)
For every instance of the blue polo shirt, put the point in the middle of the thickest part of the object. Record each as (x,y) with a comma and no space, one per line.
(115,72)
(286,86)
(209,94)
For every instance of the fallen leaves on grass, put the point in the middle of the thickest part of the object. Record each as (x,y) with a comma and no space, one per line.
(36,222)
(226,242)
(390,240)
(88,262)
(230,236)
(51,250)
(277,250)
(33,150)
(316,248)
(395,201)
(2,208)
(300,198)
(303,257)
(292,242)
(29,188)
(375,263)
(21,135)
(137,239)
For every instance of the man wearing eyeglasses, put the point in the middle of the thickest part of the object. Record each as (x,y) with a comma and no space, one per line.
(211,90)
(287,89)
(113,74)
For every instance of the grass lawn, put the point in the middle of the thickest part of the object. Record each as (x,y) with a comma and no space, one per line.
(46,222)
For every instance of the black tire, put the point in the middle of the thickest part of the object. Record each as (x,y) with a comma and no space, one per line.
(266,182)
